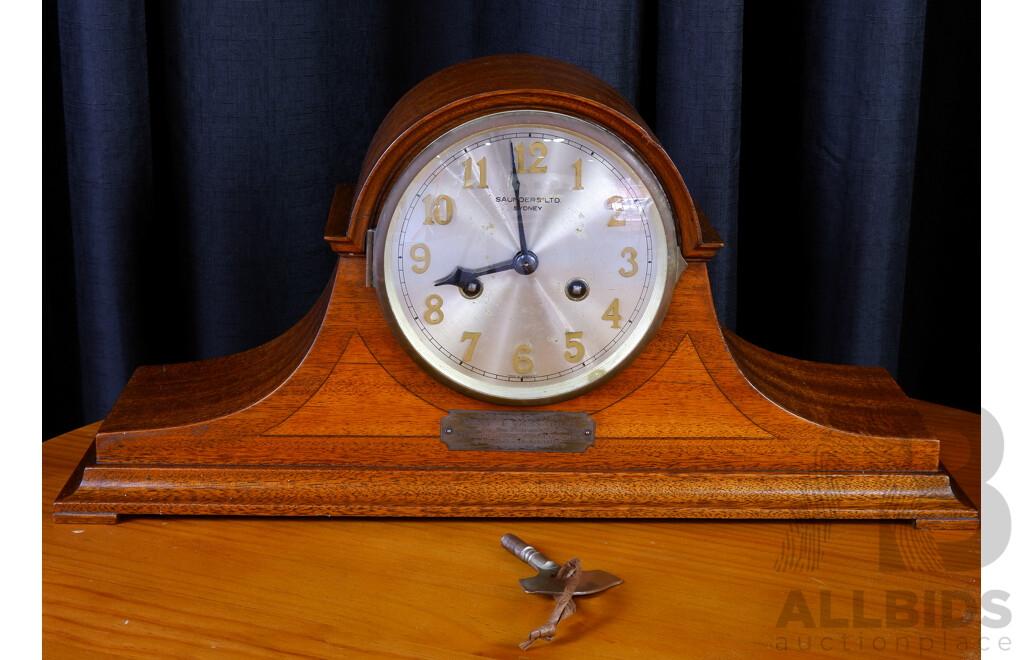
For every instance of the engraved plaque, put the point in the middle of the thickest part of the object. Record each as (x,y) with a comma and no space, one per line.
(495,430)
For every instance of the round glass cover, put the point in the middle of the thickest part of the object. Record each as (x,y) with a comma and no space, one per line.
(526,256)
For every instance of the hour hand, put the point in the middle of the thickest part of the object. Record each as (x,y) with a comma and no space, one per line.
(468,279)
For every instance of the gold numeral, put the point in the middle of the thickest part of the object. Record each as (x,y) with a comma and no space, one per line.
(420,253)
(434,213)
(434,315)
(630,256)
(615,204)
(575,346)
(521,361)
(612,314)
(539,151)
(473,338)
(578,166)
(468,178)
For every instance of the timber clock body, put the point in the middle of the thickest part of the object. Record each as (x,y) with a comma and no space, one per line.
(519,324)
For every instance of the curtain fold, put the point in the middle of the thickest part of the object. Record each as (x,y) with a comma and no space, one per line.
(106,115)
(699,90)
(862,78)
(200,142)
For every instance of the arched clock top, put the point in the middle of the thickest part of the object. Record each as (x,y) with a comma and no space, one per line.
(496,84)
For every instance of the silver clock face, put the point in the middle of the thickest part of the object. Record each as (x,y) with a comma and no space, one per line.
(525,257)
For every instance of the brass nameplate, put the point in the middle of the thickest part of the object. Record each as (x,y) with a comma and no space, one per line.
(499,430)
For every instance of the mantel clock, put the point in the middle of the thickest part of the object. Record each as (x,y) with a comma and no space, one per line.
(519,324)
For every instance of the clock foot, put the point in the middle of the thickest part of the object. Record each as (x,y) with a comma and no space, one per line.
(84,518)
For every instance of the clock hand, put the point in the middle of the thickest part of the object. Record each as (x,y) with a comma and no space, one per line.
(461,275)
(468,279)
(519,206)
(525,262)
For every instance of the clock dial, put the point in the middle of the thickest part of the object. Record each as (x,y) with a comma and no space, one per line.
(525,256)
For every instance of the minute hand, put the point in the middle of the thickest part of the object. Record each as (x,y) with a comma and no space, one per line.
(519,206)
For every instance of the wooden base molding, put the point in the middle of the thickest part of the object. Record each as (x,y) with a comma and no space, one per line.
(313,491)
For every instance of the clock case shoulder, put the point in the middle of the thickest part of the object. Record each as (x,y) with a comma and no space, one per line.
(495,84)
(334,418)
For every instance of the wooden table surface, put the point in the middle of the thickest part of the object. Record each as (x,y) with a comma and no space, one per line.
(443,588)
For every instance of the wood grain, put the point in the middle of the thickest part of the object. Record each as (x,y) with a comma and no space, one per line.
(444,588)
(863,400)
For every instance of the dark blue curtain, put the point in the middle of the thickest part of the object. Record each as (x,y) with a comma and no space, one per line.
(191,151)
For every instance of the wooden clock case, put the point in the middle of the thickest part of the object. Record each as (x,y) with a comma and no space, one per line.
(334,418)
